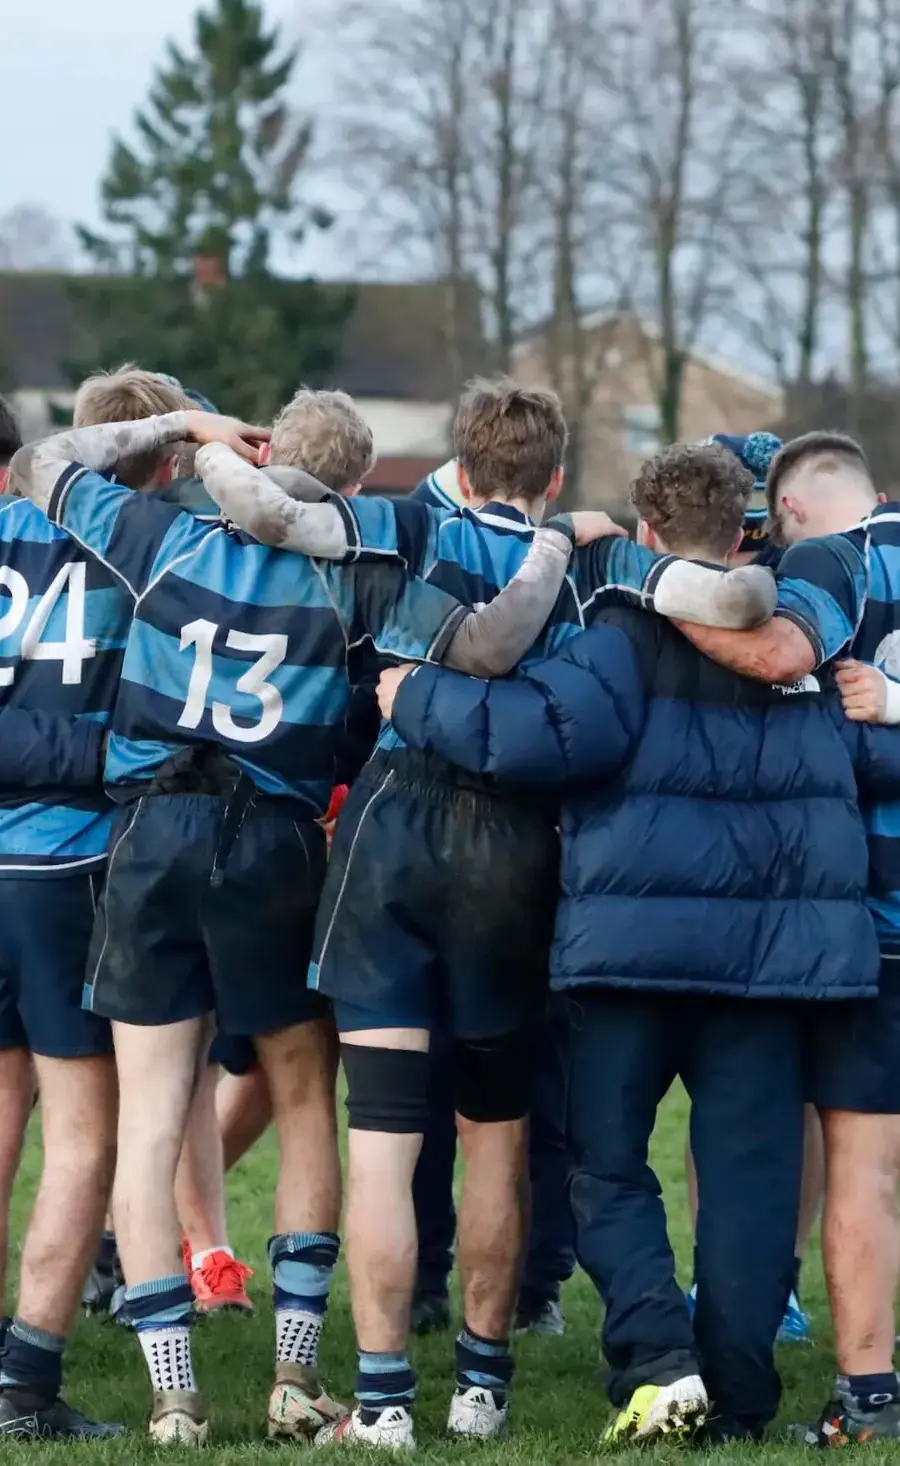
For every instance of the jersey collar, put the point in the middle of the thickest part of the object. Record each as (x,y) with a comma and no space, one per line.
(881,511)
(503,516)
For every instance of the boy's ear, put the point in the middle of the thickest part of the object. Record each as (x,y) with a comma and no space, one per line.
(735,546)
(557,479)
(165,473)
(465,487)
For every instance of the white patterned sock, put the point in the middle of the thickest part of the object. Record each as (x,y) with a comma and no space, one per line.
(168,1355)
(297,1335)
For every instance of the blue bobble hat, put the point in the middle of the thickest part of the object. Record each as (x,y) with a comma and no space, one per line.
(202,402)
(755,451)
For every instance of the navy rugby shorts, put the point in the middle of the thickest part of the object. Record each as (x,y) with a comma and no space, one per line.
(205,913)
(45,934)
(439,903)
(854,1053)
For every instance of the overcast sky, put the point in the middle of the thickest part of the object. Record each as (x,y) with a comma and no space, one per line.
(72,73)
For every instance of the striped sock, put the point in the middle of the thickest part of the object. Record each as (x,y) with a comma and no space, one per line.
(302,1266)
(32,1360)
(483,1364)
(161,1311)
(383,1380)
(872,1392)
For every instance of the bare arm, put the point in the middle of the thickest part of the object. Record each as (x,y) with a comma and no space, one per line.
(490,642)
(777,652)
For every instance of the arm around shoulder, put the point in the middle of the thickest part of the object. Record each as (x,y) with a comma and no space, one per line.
(777,652)
(571,716)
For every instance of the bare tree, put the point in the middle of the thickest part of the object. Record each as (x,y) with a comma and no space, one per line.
(576,209)
(443,142)
(509,112)
(679,162)
(403,143)
(780,234)
(885,176)
(846,42)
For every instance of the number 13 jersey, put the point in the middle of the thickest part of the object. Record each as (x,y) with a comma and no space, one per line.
(64,622)
(236,644)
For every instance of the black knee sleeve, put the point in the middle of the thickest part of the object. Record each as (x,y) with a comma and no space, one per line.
(387,1089)
(494,1077)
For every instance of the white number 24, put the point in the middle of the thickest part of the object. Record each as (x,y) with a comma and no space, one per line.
(272,651)
(75,650)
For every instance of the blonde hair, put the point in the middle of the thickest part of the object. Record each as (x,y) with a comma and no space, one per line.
(124,396)
(323,433)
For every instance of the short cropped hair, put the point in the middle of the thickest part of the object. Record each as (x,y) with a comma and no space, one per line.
(325,434)
(10,433)
(126,395)
(694,495)
(833,450)
(509,439)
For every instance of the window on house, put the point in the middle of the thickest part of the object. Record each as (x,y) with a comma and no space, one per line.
(641,429)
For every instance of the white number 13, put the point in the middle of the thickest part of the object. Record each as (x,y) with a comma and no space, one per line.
(272,652)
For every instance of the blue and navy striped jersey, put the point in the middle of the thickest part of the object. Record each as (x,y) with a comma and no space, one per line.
(235,643)
(63,626)
(440,489)
(473,553)
(844,592)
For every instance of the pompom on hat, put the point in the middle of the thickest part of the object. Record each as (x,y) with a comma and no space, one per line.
(755,451)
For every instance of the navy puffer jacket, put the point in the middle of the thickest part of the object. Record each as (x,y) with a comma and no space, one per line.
(711,837)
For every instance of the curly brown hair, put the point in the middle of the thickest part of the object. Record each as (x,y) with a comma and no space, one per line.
(695,496)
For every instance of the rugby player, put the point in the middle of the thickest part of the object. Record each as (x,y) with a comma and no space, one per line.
(62,637)
(839,596)
(756,451)
(218,1279)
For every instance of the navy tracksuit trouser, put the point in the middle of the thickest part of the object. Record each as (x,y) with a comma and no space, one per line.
(741,1063)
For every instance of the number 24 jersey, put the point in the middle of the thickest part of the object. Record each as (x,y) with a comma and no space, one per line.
(64,622)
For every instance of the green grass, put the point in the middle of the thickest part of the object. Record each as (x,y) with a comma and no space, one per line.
(559,1406)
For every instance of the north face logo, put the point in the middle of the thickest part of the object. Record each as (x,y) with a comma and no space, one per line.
(809,683)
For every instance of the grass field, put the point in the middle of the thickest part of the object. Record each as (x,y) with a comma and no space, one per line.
(559,1407)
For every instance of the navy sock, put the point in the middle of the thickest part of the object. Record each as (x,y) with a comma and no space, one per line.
(483,1363)
(383,1380)
(536,1297)
(31,1360)
(873,1391)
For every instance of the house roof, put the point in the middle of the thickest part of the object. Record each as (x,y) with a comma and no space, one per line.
(393,344)
(597,320)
